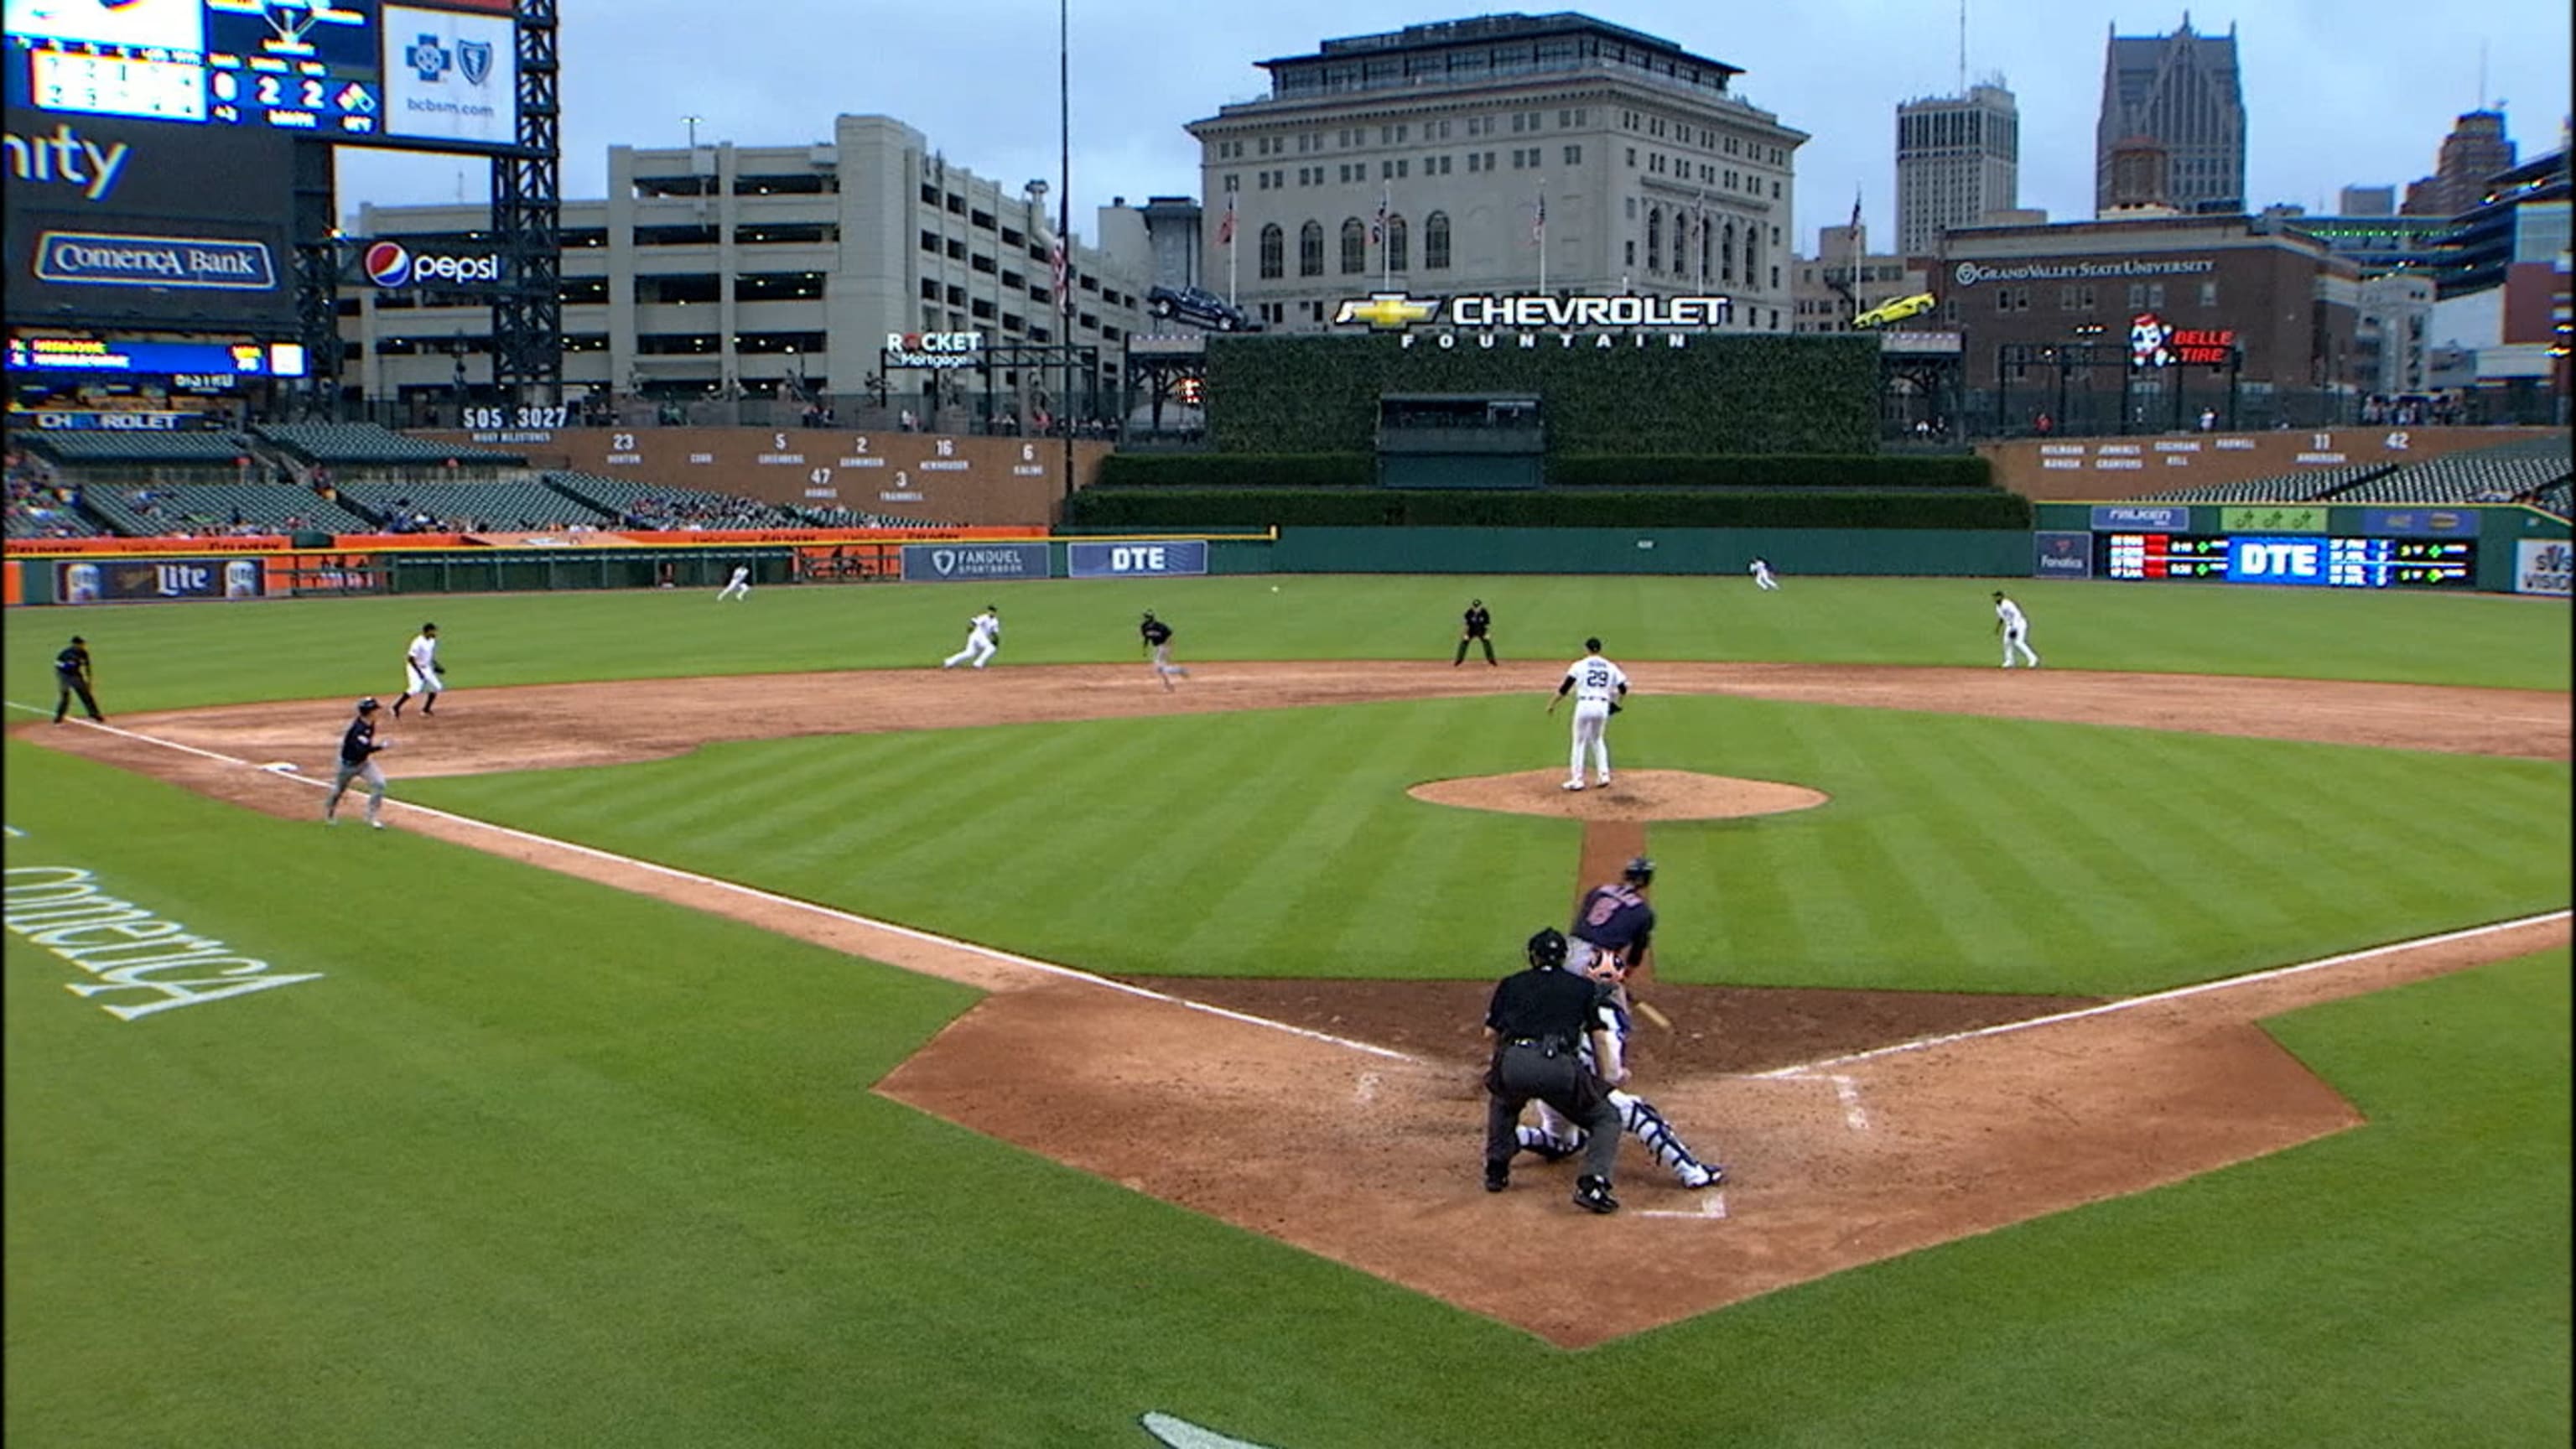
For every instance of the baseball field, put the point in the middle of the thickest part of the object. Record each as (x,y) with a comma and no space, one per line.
(748,1033)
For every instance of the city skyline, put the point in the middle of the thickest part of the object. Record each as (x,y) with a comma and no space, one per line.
(2353,94)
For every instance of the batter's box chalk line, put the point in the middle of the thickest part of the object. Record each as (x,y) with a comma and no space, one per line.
(1712,1208)
(735,888)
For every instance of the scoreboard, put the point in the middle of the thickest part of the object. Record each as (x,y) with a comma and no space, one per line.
(2331,562)
(437,71)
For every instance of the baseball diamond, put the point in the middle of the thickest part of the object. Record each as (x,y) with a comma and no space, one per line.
(998,1056)
(1926,1171)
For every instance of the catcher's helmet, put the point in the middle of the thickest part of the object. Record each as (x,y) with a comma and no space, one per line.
(368,705)
(1547,949)
(1638,869)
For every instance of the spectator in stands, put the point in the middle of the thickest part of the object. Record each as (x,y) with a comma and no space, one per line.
(908,422)
(2208,420)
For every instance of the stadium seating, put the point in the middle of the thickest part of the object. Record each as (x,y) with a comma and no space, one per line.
(2486,475)
(213,508)
(650,506)
(857,518)
(2306,486)
(361,444)
(2554,498)
(472,507)
(206,448)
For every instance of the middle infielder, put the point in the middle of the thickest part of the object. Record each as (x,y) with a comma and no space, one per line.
(2011,623)
(983,636)
(737,587)
(1598,685)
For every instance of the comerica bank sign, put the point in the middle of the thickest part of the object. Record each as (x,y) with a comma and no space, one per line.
(1531,315)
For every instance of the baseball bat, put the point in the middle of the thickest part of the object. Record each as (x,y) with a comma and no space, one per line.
(1647,1011)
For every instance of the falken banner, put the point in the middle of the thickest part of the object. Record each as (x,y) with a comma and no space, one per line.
(1149,559)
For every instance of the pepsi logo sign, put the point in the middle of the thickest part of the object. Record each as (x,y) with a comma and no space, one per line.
(391,264)
(388,264)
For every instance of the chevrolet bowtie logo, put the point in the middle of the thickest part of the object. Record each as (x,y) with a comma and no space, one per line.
(1387,311)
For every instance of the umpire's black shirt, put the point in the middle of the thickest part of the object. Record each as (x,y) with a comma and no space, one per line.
(1479,620)
(1542,1005)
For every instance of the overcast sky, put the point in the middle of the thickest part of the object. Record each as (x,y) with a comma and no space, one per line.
(2337,91)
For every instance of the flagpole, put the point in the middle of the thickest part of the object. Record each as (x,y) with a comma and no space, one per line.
(1542,236)
(1229,253)
(1386,235)
(1064,222)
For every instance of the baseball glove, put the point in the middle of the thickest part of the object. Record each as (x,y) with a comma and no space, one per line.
(439,669)
(1615,706)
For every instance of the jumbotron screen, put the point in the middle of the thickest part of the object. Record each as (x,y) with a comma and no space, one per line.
(437,72)
(2343,563)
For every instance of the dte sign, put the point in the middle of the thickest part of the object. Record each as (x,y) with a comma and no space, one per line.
(2276,561)
(1152,558)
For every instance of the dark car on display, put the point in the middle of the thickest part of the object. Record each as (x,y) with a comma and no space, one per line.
(1198,306)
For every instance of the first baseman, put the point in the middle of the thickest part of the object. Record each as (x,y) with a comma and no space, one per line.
(422,673)
(1598,686)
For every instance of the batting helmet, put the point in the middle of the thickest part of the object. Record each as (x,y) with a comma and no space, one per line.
(1638,870)
(368,705)
(1547,949)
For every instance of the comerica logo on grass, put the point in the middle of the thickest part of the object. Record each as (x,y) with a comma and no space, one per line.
(127,947)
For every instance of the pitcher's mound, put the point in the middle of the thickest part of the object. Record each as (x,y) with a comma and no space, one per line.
(1631,795)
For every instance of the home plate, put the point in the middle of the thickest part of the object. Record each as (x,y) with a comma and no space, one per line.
(1712,1206)
(280,767)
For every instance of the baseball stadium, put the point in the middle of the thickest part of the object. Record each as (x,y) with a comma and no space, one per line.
(751,1020)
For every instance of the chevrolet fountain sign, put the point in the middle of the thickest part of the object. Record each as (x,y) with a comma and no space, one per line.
(1530,315)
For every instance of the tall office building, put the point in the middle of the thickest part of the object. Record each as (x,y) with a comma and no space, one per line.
(2183,91)
(2475,150)
(1495,154)
(1957,158)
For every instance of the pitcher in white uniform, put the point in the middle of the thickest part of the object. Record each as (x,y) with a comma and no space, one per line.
(983,636)
(2015,627)
(1597,685)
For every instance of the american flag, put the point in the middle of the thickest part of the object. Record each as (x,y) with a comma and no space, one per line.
(1225,228)
(1385,203)
(1063,289)
(1538,221)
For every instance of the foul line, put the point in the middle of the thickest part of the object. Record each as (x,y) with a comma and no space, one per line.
(989,953)
(2178,993)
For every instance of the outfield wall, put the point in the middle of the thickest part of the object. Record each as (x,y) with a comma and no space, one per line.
(1908,551)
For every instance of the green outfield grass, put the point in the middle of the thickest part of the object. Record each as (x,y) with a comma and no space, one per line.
(155,657)
(538,1162)
(1958,853)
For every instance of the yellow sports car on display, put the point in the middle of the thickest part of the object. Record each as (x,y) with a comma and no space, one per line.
(1896,311)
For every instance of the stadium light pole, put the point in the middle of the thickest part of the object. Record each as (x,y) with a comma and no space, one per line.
(1064,218)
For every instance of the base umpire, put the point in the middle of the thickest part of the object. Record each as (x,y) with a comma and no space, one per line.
(1536,1021)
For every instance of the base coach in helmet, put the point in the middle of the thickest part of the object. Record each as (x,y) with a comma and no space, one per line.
(1537,1021)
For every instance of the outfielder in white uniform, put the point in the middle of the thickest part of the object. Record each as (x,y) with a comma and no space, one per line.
(983,636)
(421,672)
(1762,574)
(1597,686)
(2010,623)
(1556,1139)
(737,587)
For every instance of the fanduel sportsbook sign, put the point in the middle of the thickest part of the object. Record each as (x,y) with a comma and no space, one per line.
(954,563)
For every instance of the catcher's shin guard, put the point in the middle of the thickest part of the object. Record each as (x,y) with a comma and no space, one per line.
(1648,1126)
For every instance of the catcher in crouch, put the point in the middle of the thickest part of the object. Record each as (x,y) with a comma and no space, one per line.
(1555,1139)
